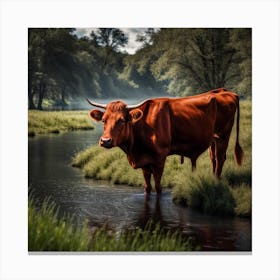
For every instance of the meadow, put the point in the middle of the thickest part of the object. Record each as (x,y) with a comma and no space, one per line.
(40,122)
(232,195)
(49,231)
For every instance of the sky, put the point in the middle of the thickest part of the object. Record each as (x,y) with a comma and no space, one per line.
(132,45)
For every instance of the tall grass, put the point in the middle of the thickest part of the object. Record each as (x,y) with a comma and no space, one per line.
(56,121)
(199,189)
(207,194)
(151,239)
(49,232)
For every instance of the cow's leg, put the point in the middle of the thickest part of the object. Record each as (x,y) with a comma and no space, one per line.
(212,155)
(157,173)
(147,176)
(182,159)
(221,149)
(193,161)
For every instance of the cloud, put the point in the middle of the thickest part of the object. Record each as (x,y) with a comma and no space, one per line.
(132,33)
(81,32)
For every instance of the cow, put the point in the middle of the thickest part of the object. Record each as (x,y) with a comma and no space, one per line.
(227,106)
(156,128)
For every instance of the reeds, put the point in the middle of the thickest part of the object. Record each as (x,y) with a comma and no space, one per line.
(49,231)
(57,121)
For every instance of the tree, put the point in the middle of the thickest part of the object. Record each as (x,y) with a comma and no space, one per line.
(241,41)
(146,38)
(51,57)
(111,40)
(175,61)
(49,53)
(196,60)
(138,67)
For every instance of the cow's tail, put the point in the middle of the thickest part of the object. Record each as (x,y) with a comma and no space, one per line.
(238,150)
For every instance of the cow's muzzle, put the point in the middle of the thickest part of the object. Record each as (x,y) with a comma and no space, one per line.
(106,142)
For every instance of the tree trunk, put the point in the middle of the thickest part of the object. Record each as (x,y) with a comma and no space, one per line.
(42,89)
(63,102)
(31,104)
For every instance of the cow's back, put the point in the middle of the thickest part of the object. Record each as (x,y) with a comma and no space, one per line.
(227,103)
(192,124)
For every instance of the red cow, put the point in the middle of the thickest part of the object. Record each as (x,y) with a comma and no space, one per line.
(157,128)
(227,105)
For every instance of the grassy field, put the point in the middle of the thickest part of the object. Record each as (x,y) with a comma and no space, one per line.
(57,121)
(48,232)
(200,189)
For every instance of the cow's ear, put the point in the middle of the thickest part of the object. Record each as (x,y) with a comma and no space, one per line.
(96,115)
(136,115)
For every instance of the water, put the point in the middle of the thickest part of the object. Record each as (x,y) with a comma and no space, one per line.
(120,206)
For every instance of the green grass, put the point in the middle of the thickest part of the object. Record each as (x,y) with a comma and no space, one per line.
(49,232)
(40,122)
(103,164)
(207,194)
(200,189)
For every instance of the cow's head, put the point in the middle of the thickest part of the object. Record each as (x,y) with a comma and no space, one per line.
(118,119)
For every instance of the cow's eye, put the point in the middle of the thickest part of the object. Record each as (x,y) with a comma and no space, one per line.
(103,121)
(121,121)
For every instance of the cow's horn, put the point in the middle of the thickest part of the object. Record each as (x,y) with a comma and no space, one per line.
(130,107)
(99,105)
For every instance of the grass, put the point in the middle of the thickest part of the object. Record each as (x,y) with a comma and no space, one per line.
(103,164)
(229,196)
(49,232)
(40,122)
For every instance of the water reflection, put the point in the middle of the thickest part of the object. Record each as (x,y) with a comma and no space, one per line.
(151,211)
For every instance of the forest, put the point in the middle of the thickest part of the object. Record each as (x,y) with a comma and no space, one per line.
(64,67)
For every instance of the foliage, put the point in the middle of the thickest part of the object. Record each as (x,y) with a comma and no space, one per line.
(48,230)
(112,38)
(195,60)
(54,122)
(231,195)
(50,62)
(62,66)
(175,61)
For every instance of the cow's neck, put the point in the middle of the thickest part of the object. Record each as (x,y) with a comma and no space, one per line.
(127,145)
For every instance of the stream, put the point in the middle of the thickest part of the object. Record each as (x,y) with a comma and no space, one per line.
(50,174)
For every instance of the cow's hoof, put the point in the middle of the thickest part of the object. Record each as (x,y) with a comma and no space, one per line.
(147,192)
(159,190)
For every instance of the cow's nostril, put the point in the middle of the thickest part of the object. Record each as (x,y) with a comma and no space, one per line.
(106,142)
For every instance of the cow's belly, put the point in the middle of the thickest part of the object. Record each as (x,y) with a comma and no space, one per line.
(189,148)
(143,156)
